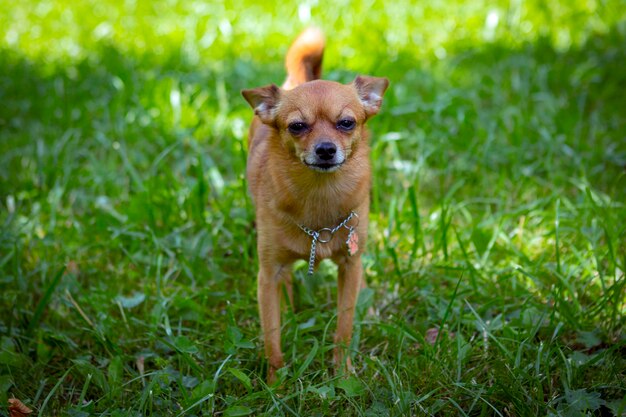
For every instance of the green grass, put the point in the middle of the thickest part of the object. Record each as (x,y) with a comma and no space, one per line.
(127,243)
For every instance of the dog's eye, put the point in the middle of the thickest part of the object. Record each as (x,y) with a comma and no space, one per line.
(346,124)
(297,127)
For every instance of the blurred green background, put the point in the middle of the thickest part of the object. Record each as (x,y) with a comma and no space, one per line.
(127,243)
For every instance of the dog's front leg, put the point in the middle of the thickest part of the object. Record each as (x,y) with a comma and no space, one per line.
(350,280)
(268,293)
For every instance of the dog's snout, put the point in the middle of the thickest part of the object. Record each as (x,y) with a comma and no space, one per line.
(324,156)
(326,151)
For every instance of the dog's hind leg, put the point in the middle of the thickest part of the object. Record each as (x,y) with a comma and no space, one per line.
(288,284)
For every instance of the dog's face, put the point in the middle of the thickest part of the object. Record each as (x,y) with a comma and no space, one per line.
(319,122)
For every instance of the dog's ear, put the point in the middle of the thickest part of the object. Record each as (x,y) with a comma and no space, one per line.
(264,101)
(371,90)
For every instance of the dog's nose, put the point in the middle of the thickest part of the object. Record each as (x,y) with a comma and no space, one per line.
(326,151)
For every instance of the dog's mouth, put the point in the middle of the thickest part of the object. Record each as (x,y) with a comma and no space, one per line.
(325,166)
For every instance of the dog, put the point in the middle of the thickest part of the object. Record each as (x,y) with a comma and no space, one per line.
(309,175)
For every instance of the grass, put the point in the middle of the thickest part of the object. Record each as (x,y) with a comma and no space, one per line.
(127,246)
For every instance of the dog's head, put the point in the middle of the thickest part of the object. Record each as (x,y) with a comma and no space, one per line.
(319,122)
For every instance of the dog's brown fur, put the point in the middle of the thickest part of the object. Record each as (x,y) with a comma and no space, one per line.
(288,191)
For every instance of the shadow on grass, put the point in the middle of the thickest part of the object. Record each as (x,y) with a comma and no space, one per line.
(527,101)
(534,111)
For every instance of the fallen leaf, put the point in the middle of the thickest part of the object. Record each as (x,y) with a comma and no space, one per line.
(72,268)
(140,367)
(431,335)
(433,332)
(18,409)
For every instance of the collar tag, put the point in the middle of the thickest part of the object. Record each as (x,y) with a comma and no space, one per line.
(353,241)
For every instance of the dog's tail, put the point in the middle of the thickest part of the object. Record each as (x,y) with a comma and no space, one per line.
(304,58)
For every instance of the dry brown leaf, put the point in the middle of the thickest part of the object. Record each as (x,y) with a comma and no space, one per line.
(72,268)
(140,367)
(18,409)
(431,335)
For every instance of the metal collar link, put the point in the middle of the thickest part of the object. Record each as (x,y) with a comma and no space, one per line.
(325,235)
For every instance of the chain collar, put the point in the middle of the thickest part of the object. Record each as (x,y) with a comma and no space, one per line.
(325,235)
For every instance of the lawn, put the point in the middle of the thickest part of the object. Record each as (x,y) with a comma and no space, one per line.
(497,251)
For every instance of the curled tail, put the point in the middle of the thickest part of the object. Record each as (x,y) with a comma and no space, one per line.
(304,58)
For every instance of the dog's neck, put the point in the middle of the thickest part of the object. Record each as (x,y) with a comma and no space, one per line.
(318,199)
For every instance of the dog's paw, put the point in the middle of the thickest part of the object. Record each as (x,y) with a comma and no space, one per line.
(276,375)
(342,363)
(272,378)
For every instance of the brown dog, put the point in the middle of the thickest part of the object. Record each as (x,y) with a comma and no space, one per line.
(309,174)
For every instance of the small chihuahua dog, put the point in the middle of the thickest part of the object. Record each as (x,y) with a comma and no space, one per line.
(309,175)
